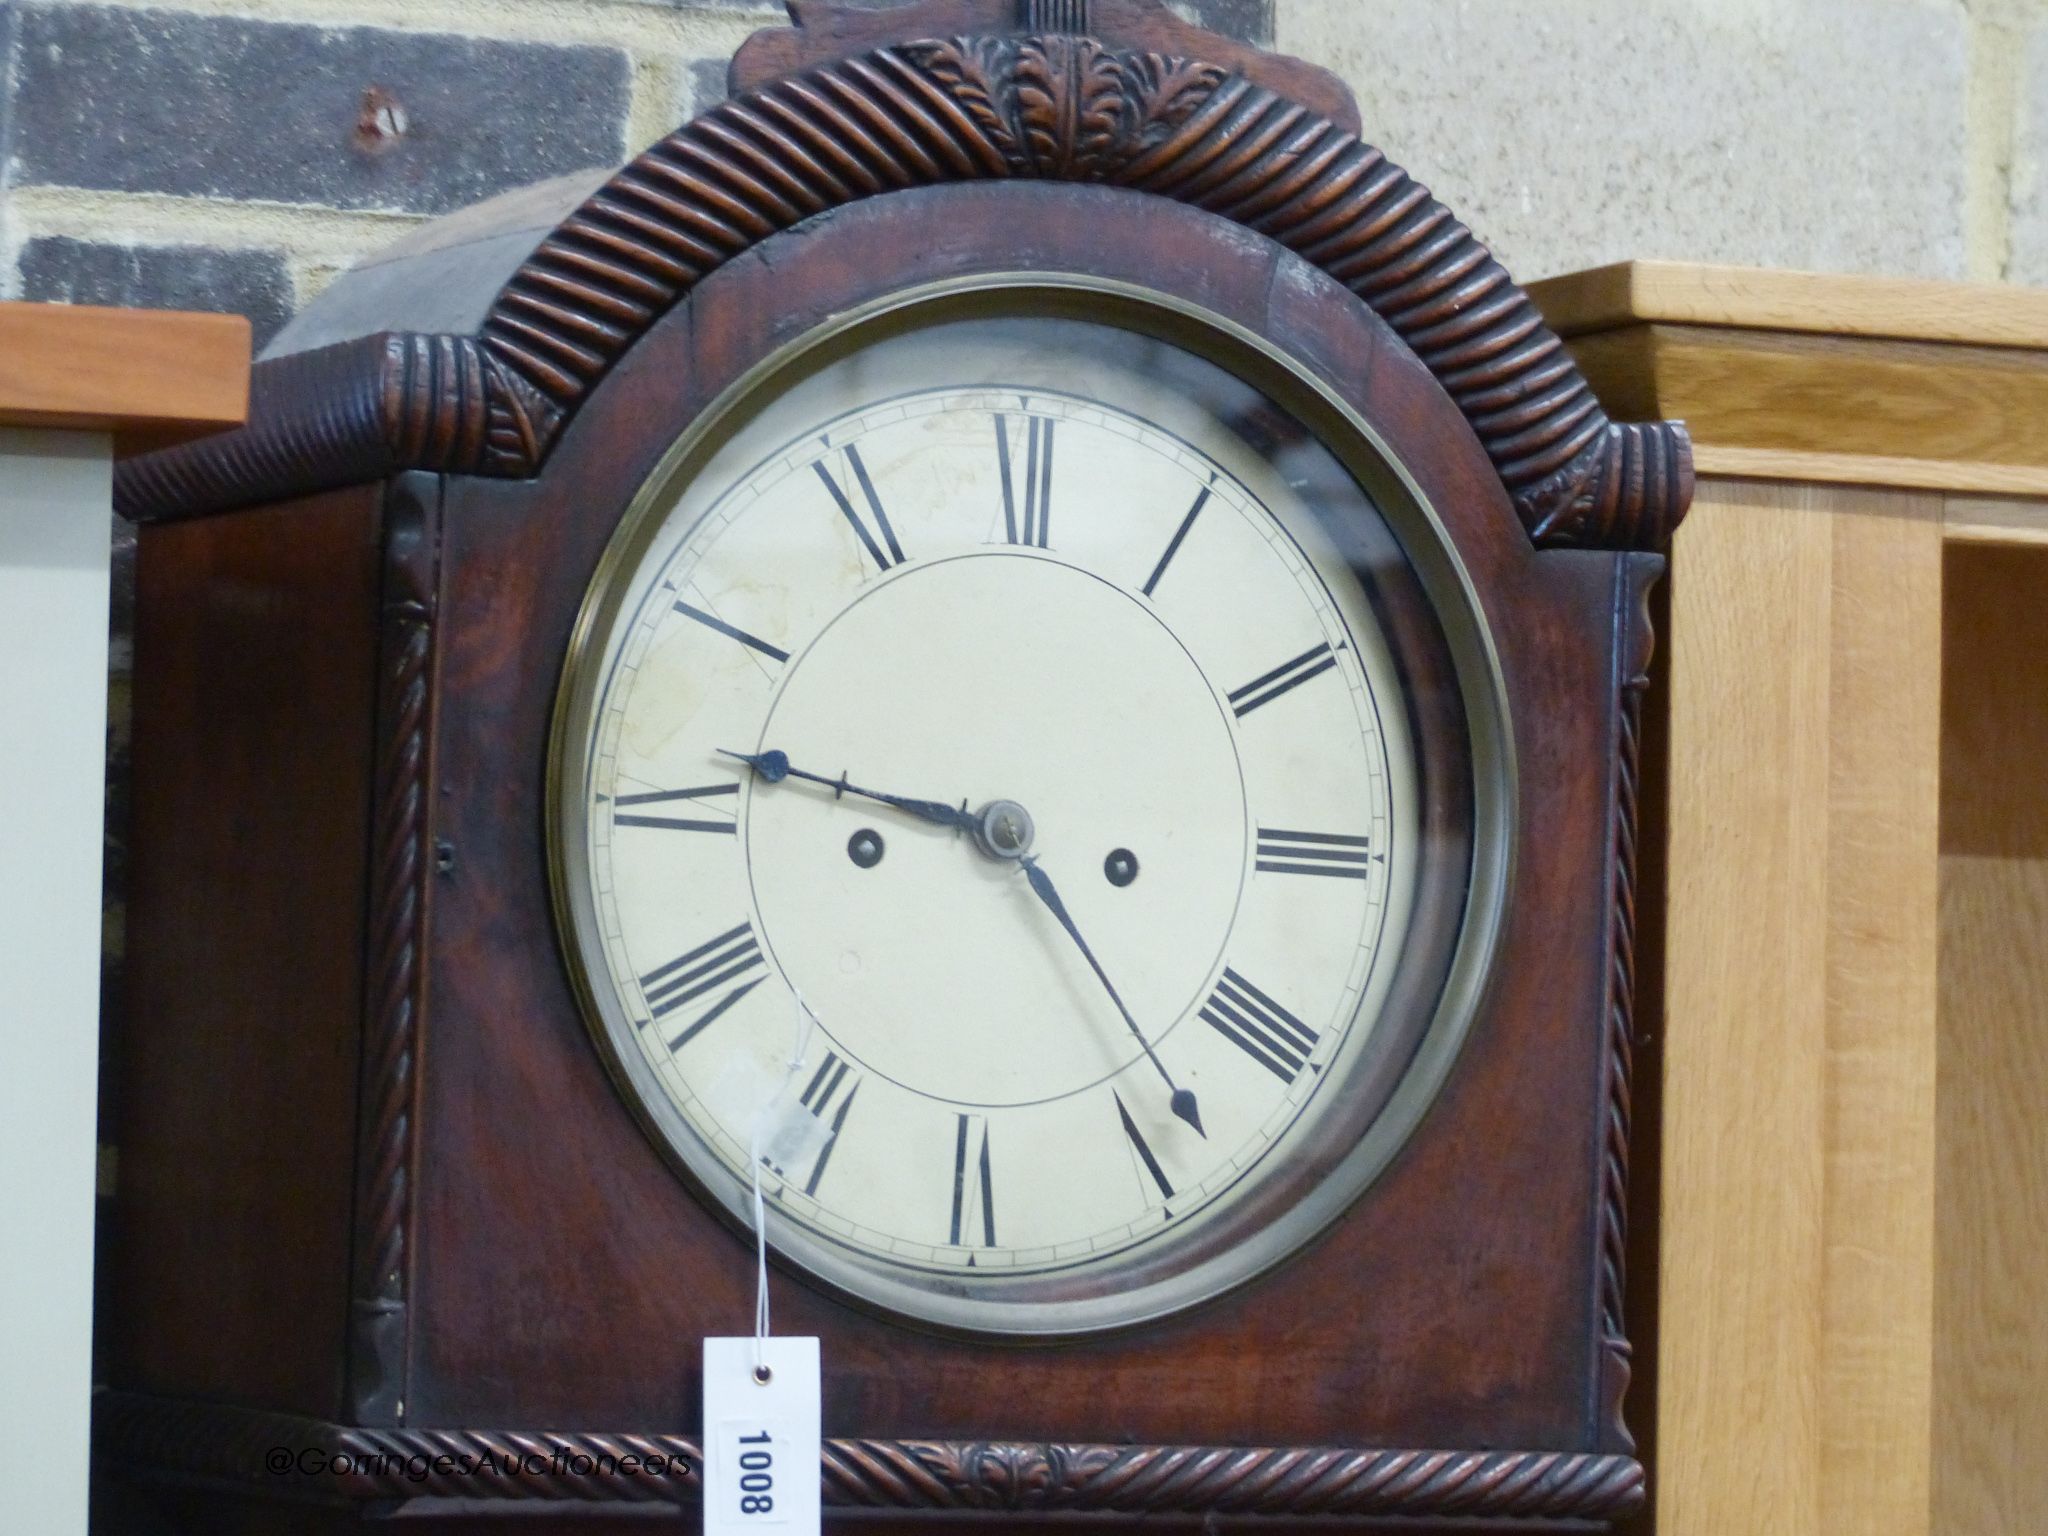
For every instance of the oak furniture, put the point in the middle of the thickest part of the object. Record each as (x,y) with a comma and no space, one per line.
(1852,1299)
(77,386)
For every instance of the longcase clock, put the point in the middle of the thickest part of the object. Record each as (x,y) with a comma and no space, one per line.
(1016,564)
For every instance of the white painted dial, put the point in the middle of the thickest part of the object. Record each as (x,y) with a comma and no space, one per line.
(978,564)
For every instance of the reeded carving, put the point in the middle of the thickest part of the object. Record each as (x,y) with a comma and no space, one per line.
(1053,15)
(343,415)
(1069,108)
(1049,105)
(199,1442)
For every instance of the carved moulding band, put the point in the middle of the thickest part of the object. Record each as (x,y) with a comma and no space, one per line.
(279,1455)
(917,114)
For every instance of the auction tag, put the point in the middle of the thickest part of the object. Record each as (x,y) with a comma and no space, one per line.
(761,1465)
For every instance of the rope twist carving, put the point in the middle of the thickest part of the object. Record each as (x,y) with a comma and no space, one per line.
(209,1442)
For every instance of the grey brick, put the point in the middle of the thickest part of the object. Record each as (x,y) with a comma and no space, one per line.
(10,25)
(252,283)
(10,21)
(162,101)
(1250,21)
(707,84)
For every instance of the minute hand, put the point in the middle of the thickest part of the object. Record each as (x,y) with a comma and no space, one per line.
(774,767)
(1183,1101)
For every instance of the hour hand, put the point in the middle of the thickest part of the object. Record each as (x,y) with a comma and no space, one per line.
(774,766)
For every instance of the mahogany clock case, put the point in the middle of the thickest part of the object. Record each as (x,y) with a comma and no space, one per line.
(374,1173)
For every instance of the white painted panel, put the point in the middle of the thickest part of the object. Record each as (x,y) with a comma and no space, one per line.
(55,490)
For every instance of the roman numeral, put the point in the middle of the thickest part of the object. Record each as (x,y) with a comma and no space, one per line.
(1314,853)
(676,823)
(1267,687)
(822,1096)
(732,632)
(1258,1026)
(1173,545)
(1037,480)
(822,1092)
(972,1192)
(884,558)
(706,968)
(1138,1145)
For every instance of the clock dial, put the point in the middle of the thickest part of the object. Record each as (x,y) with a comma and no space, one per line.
(1006,692)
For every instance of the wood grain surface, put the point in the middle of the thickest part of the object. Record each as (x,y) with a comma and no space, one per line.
(1798,1122)
(255,644)
(1791,465)
(1991,1302)
(1827,408)
(151,377)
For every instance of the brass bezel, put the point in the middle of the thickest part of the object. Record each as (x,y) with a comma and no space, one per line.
(1428,547)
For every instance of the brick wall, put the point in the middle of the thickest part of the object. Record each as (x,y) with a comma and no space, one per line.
(211,154)
(235,154)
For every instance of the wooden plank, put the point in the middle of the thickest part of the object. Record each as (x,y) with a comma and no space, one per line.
(1977,410)
(256,643)
(1635,291)
(1871,469)
(1798,1120)
(150,377)
(1883,738)
(1739,1349)
(1991,1303)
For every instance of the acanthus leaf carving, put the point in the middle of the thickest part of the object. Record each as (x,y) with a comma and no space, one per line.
(1102,95)
(520,419)
(1166,92)
(1071,95)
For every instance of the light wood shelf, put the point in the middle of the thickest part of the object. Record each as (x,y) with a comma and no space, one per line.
(1853,1288)
(1822,303)
(149,377)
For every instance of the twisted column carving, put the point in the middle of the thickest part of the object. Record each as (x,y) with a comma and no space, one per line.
(395,996)
(1637,643)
